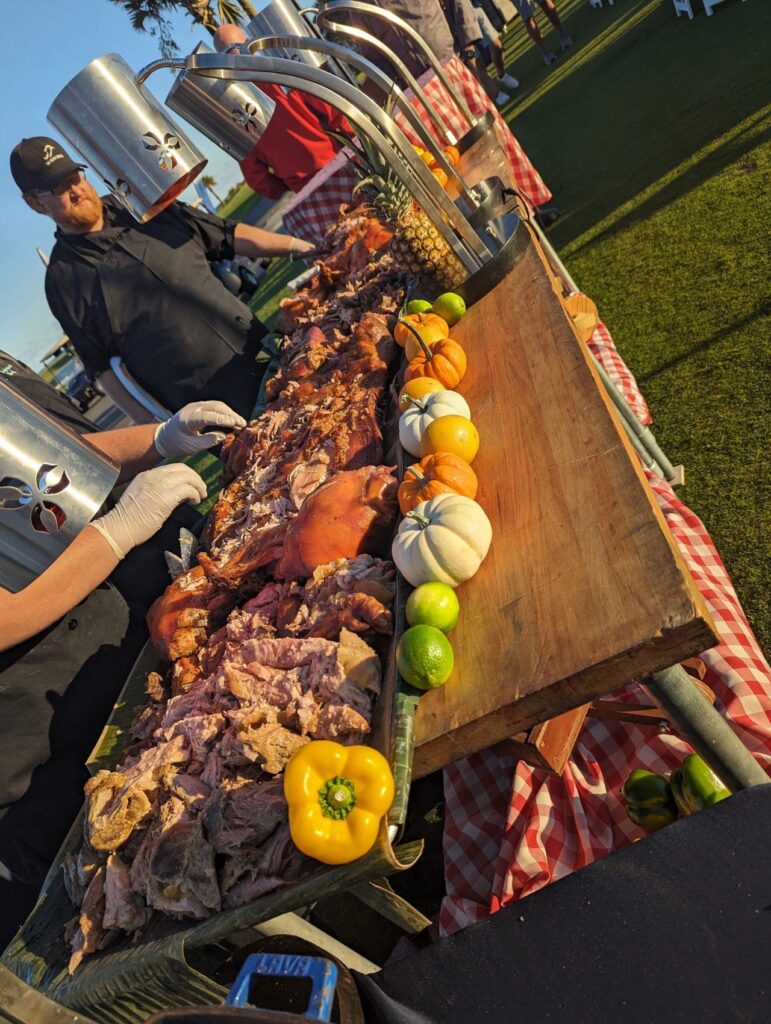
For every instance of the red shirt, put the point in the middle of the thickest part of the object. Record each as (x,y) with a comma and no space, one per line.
(295,144)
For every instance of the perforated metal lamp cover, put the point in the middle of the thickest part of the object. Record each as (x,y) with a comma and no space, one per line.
(52,483)
(126,136)
(233,115)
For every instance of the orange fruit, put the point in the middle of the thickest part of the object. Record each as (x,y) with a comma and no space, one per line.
(453,434)
(441,176)
(417,388)
(453,155)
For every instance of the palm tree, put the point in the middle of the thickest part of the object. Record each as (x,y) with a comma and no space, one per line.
(151,16)
(209,182)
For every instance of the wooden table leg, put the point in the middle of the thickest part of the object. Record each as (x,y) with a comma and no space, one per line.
(549,744)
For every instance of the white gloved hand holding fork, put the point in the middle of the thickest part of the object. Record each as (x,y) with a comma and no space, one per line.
(196,427)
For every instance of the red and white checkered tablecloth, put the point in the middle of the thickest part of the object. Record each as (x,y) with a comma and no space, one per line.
(315,208)
(602,346)
(526,177)
(511,829)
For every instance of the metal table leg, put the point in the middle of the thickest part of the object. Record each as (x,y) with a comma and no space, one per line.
(705,728)
(641,437)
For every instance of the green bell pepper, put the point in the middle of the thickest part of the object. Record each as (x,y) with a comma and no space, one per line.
(695,786)
(648,800)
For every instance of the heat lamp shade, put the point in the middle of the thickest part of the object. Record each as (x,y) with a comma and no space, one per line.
(233,115)
(126,136)
(282,18)
(52,483)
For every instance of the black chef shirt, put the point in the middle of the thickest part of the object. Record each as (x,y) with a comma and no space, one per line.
(147,293)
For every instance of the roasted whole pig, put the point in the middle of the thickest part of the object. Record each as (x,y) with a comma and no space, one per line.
(269,637)
(186,614)
(351,514)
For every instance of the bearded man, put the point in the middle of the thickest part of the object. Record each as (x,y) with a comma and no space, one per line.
(146,292)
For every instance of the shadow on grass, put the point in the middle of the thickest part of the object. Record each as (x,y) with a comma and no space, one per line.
(717,160)
(634,99)
(763,310)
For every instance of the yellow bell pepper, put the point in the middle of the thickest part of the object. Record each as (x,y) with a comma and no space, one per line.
(337,796)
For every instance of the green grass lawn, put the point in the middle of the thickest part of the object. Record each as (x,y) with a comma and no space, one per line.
(238,205)
(273,288)
(653,133)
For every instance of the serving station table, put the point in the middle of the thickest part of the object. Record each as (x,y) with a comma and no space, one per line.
(583,588)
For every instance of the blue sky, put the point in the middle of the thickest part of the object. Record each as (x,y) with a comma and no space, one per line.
(45,47)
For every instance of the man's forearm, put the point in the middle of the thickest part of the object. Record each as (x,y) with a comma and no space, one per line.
(255,242)
(86,563)
(132,447)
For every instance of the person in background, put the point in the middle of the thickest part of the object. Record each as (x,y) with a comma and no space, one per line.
(450,28)
(525,11)
(146,292)
(296,144)
(494,55)
(69,639)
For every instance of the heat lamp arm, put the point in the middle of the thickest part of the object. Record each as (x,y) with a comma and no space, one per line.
(376,125)
(346,55)
(329,7)
(399,66)
(175,63)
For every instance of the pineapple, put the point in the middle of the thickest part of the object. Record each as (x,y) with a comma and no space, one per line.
(417,245)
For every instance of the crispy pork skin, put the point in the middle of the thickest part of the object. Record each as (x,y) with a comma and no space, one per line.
(351,514)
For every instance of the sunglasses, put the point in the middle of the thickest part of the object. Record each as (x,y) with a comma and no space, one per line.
(65,186)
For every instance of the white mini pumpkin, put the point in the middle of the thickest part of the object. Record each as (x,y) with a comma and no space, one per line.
(422,411)
(445,539)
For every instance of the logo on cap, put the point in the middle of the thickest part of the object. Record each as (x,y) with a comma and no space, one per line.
(49,157)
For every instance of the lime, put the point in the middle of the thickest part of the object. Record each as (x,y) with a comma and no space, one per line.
(419,306)
(450,307)
(433,604)
(424,657)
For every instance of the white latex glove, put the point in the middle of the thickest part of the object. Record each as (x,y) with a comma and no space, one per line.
(182,434)
(299,249)
(147,503)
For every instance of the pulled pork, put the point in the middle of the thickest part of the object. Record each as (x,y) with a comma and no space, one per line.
(268,636)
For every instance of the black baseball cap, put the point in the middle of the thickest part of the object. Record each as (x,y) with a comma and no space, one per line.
(41,163)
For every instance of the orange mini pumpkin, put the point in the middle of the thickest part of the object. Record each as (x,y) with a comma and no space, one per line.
(442,473)
(429,326)
(440,175)
(445,360)
(453,155)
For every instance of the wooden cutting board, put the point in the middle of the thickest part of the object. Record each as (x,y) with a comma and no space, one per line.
(583,589)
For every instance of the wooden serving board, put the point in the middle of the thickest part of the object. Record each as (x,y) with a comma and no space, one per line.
(583,589)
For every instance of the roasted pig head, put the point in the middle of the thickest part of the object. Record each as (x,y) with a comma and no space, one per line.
(350,514)
(187,612)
